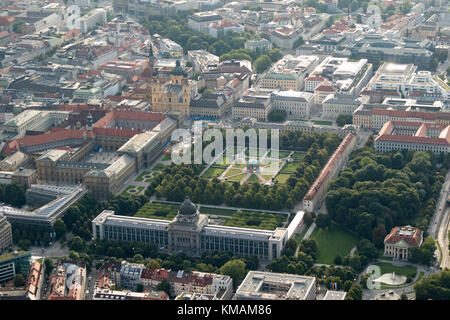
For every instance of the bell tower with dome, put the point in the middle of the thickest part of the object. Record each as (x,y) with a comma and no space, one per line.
(174,94)
(184,230)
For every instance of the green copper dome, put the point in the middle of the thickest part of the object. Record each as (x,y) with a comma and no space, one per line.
(178,70)
(187,208)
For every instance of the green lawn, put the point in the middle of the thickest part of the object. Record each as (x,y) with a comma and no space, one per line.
(298,156)
(290,167)
(332,242)
(166,157)
(281,178)
(322,122)
(156,210)
(281,154)
(385,267)
(141,176)
(237,178)
(244,219)
(213,172)
(159,166)
(224,163)
(126,193)
(232,172)
(256,220)
(253,178)
(215,211)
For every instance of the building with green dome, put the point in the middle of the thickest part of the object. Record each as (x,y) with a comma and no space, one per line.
(191,232)
(175,94)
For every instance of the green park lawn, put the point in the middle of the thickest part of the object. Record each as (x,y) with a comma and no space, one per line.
(213,172)
(237,178)
(224,163)
(290,167)
(385,267)
(156,210)
(322,122)
(244,219)
(127,193)
(281,154)
(239,165)
(166,157)
(141,176)
(281,178)
(159,166)
(252,178)
(332,242)
(232,172)
(298,156)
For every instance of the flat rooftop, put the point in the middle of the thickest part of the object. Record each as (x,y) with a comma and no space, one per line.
(275,286)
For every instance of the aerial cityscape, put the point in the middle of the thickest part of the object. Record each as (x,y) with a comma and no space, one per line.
(224,150)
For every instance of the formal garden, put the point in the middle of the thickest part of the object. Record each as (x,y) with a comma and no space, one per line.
(226,217)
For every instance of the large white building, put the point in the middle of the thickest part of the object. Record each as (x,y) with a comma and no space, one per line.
(289,73)
(339,103)
(317,191)
(296,104)
(200,21)
(424,81)
(260,285)
(5,234)
(419,136)
(190,232)
(95,17)
(391,76)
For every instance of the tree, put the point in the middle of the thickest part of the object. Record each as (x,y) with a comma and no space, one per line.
(274,54)
(355,293)
(138,258)
(76,244)
(290,247)
(434,287)
(262,63)
(299,42)
(19,280)
(49,265)
(152,264)
(323,221)
(355,262)
(235,269)
(140,287)
(24,244)
(165,286)
(338,260)
(403,297)
(277,115)
(448,72)
(344,119)
(329,22)
(60,228)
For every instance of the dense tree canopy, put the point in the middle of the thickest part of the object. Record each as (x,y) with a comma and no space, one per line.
(377,191)
(435,287)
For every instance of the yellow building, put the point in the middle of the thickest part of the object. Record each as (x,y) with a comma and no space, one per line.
(172,95)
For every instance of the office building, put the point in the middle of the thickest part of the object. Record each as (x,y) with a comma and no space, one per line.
(419,136)
(5,234)
(259,285)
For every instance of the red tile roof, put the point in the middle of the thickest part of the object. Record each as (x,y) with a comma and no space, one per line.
(6,20)
(130,115)
(56,134)
(396,235)
(329,167)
